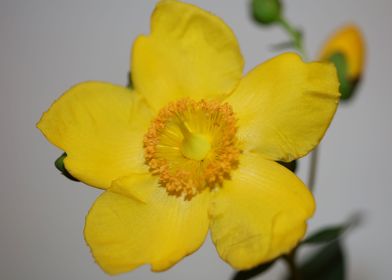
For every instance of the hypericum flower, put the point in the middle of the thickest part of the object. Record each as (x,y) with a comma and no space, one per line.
(193,146)
(346,48)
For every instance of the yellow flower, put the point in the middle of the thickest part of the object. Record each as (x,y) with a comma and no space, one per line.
(346,48)
(193,147)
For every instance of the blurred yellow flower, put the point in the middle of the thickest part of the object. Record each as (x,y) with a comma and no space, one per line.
(346,48)
(193,146)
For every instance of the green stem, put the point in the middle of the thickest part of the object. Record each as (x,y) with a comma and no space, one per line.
(290,260)
(295,35)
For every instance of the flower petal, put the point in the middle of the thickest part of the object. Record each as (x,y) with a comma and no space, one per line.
(260,213)
(348,40)
(145,227)
(100,126)
(189,53)
(284,106)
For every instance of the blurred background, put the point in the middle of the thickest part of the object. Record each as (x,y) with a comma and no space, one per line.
(47,46)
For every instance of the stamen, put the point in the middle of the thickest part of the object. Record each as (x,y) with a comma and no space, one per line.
(192,145)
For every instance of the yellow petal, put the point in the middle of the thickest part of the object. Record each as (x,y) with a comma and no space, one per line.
(348,40)
(144,226)
(284,106)
(260,213)
(100,126)
(189,53)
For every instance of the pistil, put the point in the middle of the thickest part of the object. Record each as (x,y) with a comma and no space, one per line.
(194,145)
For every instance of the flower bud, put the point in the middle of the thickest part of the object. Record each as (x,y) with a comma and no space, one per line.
(266,11)
(346,49)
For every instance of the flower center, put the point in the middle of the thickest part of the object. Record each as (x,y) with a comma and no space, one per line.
(192,145)
(195,146)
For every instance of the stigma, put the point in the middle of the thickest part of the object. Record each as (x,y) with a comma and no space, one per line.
(192,145)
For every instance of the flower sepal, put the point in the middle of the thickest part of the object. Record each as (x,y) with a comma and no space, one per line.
(59,163)
(347,86)
(250,273)
(291,165)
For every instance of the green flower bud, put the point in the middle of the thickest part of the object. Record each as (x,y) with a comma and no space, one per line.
(266,11)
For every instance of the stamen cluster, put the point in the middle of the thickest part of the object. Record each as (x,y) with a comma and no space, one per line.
(180,175)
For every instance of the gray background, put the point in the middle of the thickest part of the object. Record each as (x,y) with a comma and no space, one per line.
(48,45)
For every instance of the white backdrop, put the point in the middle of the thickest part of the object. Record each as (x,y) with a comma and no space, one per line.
(48,45)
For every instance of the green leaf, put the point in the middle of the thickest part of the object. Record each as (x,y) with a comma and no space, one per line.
(292,165)
(332,233)
(59,163)
(248,274)
(325,235)
(326,264)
